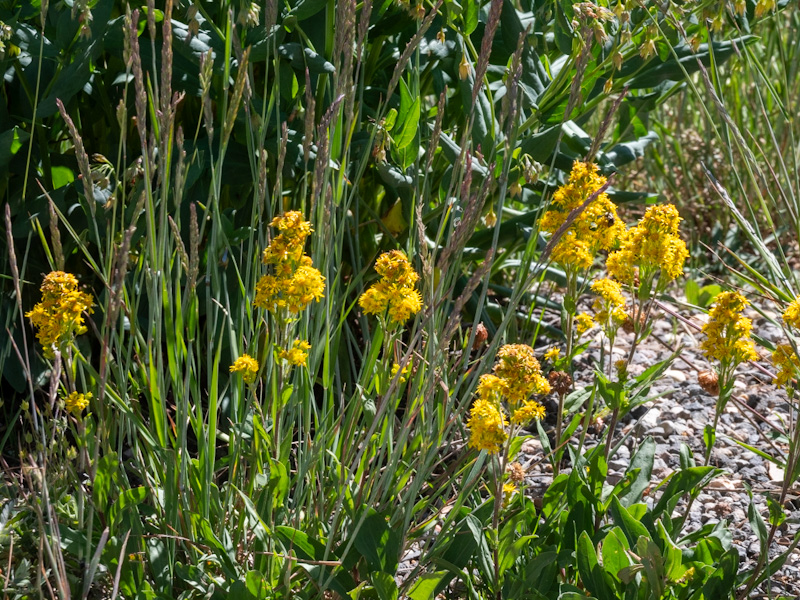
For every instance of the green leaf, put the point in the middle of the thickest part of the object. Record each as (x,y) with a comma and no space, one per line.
(641,466)
(681,482)
(107,475)
(615,557)
(425,586)
(384,585)
(390,119)
(470,16)
(631,527)
(256,585)
(378,543)
(722,581)
(126,501)
(485,558)
(591,572)
(10,143)
(409,126)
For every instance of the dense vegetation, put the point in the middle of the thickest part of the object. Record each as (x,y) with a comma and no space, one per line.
(289,286)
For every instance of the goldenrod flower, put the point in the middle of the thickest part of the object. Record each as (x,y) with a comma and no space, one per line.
(552,354)
(294,282)
(518,368)
(247,366)
(76,403)
(727,332)
(486,425)
(403,374)
(610,305)
(59,316)
(297,355)
(791,316)
(652,246)
(583,323)
(526,413)
(492,388)
(394,293)
(785,360)
(597,227)
(509,489)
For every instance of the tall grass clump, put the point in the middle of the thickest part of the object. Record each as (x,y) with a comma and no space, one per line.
(260,260)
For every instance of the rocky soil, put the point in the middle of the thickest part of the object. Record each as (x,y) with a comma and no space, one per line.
(679,417)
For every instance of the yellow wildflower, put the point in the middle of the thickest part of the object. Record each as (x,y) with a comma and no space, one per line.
(610,305)
(59,316)
(297,355)
(785,360)
(294,283)
(526,413)
(552,354)
(653,246)
(791,316)
(509,489)
(727,332)
(492,388)
(518,368)
(394,293)
(486,425)
(76,403)
(247,366)
(403,374)
(597,227)
(583,323)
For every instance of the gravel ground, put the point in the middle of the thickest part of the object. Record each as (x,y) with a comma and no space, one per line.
(680,417)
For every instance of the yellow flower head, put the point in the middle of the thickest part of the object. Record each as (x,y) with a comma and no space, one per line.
(394,293)
(518,368)
(728,332)
(785,360)
(294,282)
(652,246)
(403,374)
(59,316)
(492,388)
(583,323)
(247,366)
(486,426)
(610,304)
(552,354)
(597,227)
(791,316)
(526,413)
(297,355)
(76,403)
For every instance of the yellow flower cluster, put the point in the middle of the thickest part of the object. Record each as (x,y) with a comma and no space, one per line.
(652,245)
(791,316)
(403,374)
(785,360)
(59,315)
(583,323)
(610,303)
(487,426)
(76,403)
(517,376)
(728,332)
(297,355)
(294,282)
(247,366)
(597,227)
(394,294)
(552,354)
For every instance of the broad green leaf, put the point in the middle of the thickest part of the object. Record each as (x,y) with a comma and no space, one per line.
(425,586)
(629,525)
(615,557)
